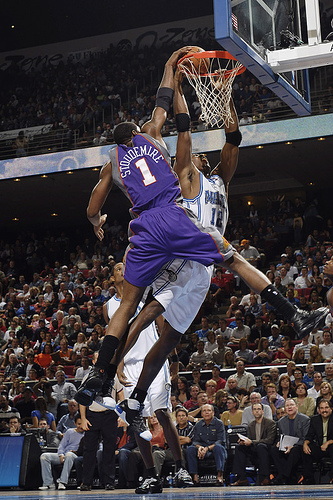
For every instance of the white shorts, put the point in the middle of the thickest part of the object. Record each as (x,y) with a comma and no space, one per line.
(181,287)
(159,393)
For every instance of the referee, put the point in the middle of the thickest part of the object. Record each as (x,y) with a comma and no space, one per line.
(99,423)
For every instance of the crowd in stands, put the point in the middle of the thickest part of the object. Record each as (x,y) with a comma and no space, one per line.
(84,102)
(52,292)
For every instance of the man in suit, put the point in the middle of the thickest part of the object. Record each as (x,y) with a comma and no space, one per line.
(261,434)
(292,424)
(319,441)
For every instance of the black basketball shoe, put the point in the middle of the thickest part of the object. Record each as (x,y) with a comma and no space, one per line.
(304,322)
(130,410)
(90,387)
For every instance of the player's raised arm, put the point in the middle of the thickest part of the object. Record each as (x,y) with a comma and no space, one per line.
(97,200)
(164,97)
(229,154)
(184,167)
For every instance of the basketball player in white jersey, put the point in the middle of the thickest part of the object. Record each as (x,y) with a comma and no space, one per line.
(174,290)
(158,399)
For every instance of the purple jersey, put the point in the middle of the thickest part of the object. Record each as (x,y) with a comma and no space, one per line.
(144,174)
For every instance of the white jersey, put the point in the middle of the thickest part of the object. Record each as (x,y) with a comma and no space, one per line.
(159,393)
(147,337)
(210,206)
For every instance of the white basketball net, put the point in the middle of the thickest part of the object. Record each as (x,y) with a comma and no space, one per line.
(213,88)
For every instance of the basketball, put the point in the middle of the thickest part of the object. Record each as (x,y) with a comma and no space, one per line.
(201,66)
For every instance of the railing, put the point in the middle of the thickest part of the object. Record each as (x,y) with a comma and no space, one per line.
(64,139)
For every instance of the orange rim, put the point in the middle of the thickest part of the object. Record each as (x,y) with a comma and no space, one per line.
(210,54)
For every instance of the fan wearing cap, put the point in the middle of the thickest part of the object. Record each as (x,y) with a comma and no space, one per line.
(250,253)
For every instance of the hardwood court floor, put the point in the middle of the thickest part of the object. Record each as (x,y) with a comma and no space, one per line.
(322,492)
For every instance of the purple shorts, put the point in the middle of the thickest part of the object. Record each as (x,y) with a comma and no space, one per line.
(162,234)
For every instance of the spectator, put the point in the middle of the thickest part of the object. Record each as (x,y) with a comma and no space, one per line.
(284,353)
(211,390)
(220,400)
(211,344)
(258,330)
(329,373)
(244,379)
(51,437)
(45,389)
(247,415)
(223,330)
(326,348)
(232,416)
(218,379)
(318,441)
(6,412)
(84,369)
(44,359)
(273,399)
(193,401)
(66,456)
(240,331)
(67,421)
(13,367)
(26,405)
(244,353)
(250,253)
(229,360)
(218,354)
(314,392)
(202,333)
(196,413)
(298,375)
(231,385)
(299,357)
(182,391)
(305,345)
(326,393)
(305,403)
(286,389)
(275,340)
(256,446)
(200,358)
(266,378)
(293,424)
(315,355)
(308,377)
(263,355)
(209,439)
(15,426)
(41,412)
(196,378)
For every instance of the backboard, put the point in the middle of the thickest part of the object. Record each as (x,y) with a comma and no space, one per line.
(276,40)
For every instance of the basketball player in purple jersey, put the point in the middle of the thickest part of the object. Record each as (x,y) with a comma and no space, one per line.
(194,185)
(163,229)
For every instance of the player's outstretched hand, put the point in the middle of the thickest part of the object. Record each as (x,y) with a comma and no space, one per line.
(173,59)
(98,229)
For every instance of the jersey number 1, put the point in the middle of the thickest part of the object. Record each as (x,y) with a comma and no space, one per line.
(148,177)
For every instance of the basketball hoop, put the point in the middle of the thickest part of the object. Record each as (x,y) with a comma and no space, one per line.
(211,74)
